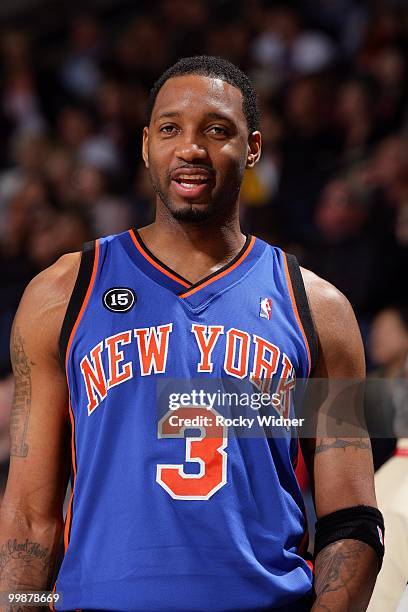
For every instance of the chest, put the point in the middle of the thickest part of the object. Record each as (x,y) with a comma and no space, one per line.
(242,335)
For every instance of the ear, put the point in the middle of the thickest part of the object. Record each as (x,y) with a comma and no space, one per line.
(254,149)
(145,146)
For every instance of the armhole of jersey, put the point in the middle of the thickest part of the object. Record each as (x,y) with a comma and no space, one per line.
(303,308)
(77,298)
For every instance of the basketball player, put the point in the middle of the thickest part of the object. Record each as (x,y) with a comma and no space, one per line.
(187,297)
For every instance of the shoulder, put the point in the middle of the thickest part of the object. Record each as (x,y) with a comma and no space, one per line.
(325,299)
(45,300)
(52,287)
(340,345)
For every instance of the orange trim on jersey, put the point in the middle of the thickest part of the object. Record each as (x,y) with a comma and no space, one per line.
(71,414)
(71,498)
(223,273)
(155,263)
(310,564)
(295,310)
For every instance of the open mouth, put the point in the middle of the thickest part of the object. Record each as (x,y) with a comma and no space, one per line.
(189,181)
(191,184)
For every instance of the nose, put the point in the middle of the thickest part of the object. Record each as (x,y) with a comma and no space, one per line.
(190,150)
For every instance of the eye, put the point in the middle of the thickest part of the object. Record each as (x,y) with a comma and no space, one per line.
(168,130)
(217,130)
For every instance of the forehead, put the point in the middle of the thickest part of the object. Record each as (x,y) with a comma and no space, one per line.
(197,95)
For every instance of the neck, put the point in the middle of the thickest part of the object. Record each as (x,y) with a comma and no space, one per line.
(194,250)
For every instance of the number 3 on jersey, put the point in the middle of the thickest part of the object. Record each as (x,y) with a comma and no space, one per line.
(207,450)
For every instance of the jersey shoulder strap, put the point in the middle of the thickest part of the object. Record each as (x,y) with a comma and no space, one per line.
(303,307)
(77,298)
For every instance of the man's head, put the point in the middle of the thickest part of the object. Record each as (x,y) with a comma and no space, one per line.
(202,133)
(217,68)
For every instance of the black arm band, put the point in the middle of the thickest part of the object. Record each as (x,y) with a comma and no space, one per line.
(363,523)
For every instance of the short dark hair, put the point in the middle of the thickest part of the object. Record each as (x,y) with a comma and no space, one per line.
(217,68)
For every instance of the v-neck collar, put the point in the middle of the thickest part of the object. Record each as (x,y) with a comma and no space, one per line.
(195,294)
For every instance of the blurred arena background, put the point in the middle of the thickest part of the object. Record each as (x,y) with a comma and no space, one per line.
(332,185)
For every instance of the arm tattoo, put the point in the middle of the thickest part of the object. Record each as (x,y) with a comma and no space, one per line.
(336,568)
(20,412)
(339,443)
(25,565)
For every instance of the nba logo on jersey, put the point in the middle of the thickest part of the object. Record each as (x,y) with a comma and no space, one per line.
(265,311)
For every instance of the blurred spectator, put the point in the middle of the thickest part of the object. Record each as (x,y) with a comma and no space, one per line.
(388,175)
(58,168)
(345,250)
(81,74)
(141,51)
(29,153)
(386,410)
(389,170)
(388,66)
(345,19)
(385,26)
(30,201)
(229,40)
(141,198)
(310,152)
(56,233)
(111,108)
(20,99)
(187,23)
(354,116)
(388,349)
(122,108)
(108,214)
(389,341)
(285,47)
(79,133)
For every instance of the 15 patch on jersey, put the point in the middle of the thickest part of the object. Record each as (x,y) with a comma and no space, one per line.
(119,299)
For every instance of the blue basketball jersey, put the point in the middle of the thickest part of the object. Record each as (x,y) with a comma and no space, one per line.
(161,519)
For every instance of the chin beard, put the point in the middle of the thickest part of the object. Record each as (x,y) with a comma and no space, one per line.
(191,213)
(188,213)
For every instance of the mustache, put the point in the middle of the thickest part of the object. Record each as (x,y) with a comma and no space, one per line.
(198,166)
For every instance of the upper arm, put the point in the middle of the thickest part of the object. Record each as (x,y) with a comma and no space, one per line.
(339,458)
(39,422)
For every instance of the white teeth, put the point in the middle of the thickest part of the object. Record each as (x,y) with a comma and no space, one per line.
(188,185)
(192,176)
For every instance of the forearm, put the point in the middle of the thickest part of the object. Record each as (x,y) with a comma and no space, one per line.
(345,574)
(28,554)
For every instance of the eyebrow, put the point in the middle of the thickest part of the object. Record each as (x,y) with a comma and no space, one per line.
(220,117)
(168,115)
(213,115)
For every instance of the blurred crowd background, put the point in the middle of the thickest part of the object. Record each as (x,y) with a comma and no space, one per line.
(332,184)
